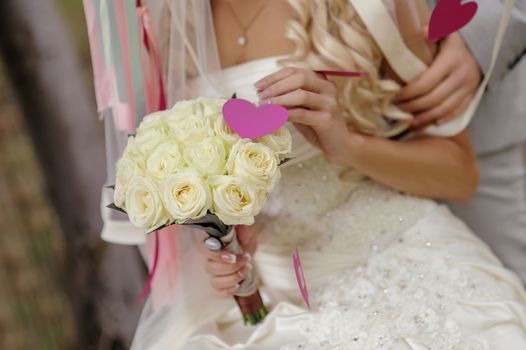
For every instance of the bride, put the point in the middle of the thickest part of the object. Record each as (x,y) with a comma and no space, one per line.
(385,267)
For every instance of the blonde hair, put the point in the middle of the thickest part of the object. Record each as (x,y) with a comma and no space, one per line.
(329,34)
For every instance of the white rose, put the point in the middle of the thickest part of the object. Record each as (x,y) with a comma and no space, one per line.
(181,110)
(151,132)
(152,120)
(211,106)
(129,166)
(165,160)
(279,141)
(185,122)
(186,196)
(235,200)
(144,205)
(191,129)
(222,130)
(133,151)
(255,162)
(208,156)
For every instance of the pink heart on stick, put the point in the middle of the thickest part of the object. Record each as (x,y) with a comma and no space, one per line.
(300,277)
(450,16)
(249,121)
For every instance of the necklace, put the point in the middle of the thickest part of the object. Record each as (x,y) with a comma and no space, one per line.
(242,40)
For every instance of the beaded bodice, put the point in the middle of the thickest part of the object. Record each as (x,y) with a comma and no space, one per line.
(318,208)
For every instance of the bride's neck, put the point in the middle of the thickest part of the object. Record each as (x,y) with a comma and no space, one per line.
(265,35)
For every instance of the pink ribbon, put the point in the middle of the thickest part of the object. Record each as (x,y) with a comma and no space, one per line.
(155,101)
(152,69)
(103,79)
(107,96)
(122,25)
(164,262)
(151,275)
(106,90)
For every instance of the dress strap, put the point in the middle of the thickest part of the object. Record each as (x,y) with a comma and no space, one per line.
(385,32)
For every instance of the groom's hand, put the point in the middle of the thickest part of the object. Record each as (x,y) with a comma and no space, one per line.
(446,88)
(227,270)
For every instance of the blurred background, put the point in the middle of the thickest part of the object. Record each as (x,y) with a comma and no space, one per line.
(61,287)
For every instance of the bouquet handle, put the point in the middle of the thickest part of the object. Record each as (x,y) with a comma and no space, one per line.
(247,297)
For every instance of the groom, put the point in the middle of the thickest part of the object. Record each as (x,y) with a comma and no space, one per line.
(497,211)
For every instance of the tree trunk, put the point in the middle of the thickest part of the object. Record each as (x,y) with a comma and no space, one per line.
(101,280)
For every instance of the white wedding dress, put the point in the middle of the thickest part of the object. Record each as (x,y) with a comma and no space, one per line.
(384,270)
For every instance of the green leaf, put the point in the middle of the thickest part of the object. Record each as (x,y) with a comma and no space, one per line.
(211,224)
(159,228)
(285,161)
(114,207)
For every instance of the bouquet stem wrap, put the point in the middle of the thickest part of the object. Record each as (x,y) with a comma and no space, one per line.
(247,297)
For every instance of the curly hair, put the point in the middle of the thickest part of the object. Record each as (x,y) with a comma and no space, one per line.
(331,35)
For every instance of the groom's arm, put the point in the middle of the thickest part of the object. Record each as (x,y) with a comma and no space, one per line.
(480,34)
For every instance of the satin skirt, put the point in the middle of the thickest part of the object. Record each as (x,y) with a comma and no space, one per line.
(435,286)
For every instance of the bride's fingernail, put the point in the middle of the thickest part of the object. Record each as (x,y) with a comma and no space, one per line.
(264,102)
(244,271)
(248,257)
(258,85)
(229,258)
(263,95)
(234,288)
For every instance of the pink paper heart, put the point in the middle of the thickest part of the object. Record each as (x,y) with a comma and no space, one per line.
(450,16)
(249,121)
(300,277)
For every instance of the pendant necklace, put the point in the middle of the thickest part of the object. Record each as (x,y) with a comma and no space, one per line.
(242,40)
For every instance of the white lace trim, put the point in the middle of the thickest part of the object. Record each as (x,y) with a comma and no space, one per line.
(395,298)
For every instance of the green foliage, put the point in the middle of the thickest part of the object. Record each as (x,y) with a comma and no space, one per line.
(114,207)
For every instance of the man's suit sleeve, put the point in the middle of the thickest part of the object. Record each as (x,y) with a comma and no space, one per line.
(480,34)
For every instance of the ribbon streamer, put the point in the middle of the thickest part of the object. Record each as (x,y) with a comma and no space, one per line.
(152,69)
(124,55)
(128,83)
(151,275)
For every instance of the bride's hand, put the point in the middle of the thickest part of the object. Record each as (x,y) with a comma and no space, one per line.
(227,270)
(312,102)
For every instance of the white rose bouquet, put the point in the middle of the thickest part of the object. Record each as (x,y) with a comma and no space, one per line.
(185,166)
